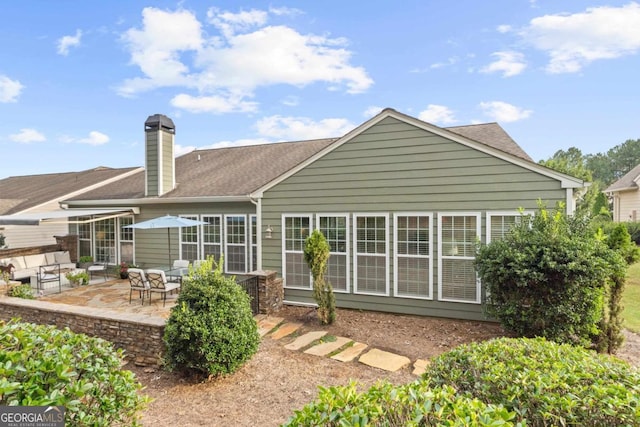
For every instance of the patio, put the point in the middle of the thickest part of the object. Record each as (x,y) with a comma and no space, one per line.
(112,295)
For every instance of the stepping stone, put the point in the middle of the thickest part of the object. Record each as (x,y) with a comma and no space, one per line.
(384,360)
(267,324)
(420,366)
(305,340)
(286,329)
(327,347)
(350,353)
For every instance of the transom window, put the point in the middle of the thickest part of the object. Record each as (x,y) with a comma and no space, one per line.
(295,269)
(457,237)
(413,263)
(371,255)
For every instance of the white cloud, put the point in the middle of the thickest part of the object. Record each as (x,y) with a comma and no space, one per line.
(94,138)
(239,143)
(67,42)
(504,28)
(291,101)
(300,128)
(172,49)
(504,112)
(437,114)
(509,63)
(573,41)
(212,104)
(27,135)
(372,110)
(9,89)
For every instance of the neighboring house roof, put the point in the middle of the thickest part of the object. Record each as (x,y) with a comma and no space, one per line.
(248,170)
(20,193)
(627,182)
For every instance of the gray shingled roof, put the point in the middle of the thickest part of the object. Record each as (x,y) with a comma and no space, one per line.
(18,193)
(626,182)
(239,171)
(493,135)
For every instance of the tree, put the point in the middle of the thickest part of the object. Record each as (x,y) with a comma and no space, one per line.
(316,254)
(624,157)
(548,277)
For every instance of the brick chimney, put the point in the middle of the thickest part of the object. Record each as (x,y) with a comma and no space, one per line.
(160,175)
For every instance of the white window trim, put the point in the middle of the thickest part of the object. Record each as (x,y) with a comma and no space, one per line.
(347,249)
(197,244)
(284,248)
(201,234)
(491,214)
(355,252)
(252,243)
(429,296)
(478,216)
(226,243)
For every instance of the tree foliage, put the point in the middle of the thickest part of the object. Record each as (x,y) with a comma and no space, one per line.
(316,254)
(548,277)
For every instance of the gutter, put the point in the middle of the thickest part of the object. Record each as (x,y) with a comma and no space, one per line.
(156,201)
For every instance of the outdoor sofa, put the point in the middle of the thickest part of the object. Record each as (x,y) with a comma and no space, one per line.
(28,265)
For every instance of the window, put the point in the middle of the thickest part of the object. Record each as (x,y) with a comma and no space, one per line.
(235,254)
(254,242)
(189,240)
(105,241)
(335,229)
(212,237)
(413,262)
(457,280)
(371,255)
(126,240)
(84,237)
(499,223)
(295,269)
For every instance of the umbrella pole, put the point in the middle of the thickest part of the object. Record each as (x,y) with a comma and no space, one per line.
(169,237)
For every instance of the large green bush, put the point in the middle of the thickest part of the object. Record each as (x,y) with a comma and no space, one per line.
(316,254)
(546,383)
(211,329)
(548,277)
(42,366)
(408,405)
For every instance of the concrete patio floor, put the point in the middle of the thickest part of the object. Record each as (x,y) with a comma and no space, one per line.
(113,295)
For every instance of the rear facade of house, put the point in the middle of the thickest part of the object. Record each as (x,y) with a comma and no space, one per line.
(401,202)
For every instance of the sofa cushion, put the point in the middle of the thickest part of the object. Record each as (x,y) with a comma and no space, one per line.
(24,273)
(34,261)
(18,262)
(5,261)
(62,257)
(50,257)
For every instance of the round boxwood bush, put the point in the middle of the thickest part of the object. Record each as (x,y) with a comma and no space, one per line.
(211,329)
(413,404)
(543,382)
(44,366)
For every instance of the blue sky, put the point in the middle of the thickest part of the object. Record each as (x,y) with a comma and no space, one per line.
(78,79)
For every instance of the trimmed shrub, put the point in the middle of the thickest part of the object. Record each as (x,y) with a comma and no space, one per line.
(21,291)
(316,254)
(543,382)
(547,277)
(41,366)
(409,405)
(211,329)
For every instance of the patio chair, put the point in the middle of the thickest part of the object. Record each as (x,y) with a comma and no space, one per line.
(138,282)
(181,263)
(98,268)
(158,283)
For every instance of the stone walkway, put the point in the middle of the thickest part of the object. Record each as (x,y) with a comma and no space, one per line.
(341,349)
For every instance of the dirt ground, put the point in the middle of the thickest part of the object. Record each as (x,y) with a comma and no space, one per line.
(276,381)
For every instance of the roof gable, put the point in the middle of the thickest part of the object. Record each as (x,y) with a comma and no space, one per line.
(628,182)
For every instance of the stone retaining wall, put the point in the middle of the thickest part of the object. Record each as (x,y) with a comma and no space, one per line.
(139,335)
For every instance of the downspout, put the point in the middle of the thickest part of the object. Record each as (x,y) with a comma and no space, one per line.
(258,203)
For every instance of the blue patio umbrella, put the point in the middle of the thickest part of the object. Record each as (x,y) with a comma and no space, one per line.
(168,222)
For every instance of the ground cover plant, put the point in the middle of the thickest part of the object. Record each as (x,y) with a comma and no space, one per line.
(41,366)
(211,330)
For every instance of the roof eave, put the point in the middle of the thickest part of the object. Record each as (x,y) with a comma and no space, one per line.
(158,201)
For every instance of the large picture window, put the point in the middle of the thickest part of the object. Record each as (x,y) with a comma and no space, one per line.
(457,237)
(295,270)
(335,229)
(84,237)
(371,254)
(413,264)
(189,240)
(105,241)
(235,254)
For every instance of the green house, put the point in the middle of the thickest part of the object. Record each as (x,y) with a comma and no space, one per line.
(402,203)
